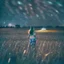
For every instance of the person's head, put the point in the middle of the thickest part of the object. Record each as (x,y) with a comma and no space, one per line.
(31,30)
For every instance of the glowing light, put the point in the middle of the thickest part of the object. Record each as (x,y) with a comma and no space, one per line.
(9,60)
(25,51)
(11,25)
(47,54)
(31,8)
(43,29)
(50,2)
(59,4)
(19,2)
(20,8)
(57,11)
(30,4)
(37,15)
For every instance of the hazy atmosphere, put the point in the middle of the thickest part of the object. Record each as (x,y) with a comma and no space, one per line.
(31,31)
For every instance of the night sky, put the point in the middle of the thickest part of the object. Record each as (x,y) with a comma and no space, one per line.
(32,12)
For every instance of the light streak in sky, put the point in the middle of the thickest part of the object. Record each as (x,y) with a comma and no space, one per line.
(35,8)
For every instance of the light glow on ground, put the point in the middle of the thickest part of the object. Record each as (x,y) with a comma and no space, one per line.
(40,31)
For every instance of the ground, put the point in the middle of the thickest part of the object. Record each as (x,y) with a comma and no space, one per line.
(15,49)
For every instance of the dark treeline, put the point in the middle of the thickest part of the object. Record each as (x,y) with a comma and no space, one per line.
(36,27)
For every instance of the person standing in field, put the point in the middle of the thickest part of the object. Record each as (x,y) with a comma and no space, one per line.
(32,36)
(32,43)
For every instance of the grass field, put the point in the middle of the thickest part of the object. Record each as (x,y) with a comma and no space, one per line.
(14,47)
